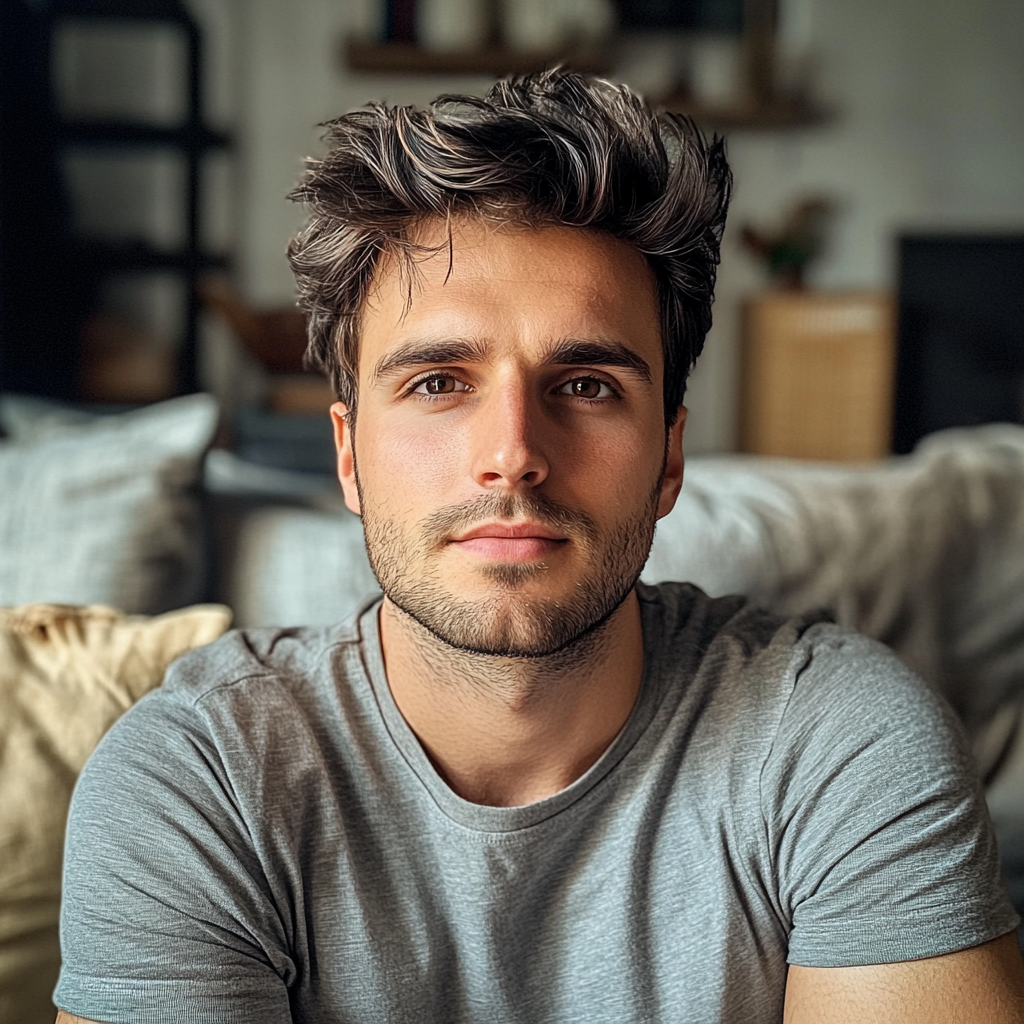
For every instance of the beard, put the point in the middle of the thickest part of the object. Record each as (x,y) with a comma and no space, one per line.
(508,622)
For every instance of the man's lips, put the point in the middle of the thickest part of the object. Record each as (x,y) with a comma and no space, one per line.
(511,531)
(510,542)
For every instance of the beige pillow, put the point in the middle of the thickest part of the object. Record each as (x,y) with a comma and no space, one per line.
(67,673)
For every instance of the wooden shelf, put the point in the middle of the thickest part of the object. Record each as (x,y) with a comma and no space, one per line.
(766,115)
(408,59)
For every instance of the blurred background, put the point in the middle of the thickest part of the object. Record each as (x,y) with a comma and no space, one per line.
(872,280)
(871,292)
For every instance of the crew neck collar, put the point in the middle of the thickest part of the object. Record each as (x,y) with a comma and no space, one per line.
(482,817)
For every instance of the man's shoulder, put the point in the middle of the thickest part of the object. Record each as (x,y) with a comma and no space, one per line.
(248,658)
(779,667)
(683,623)
(276,698)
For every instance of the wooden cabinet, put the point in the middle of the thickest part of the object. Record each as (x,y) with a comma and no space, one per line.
(817,375)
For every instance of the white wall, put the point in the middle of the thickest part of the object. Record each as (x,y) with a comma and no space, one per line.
(929,134)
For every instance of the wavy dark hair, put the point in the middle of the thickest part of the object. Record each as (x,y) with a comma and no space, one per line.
(554,148)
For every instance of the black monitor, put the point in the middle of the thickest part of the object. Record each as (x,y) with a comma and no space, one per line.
(960,352)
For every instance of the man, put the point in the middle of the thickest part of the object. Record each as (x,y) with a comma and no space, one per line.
(522,787)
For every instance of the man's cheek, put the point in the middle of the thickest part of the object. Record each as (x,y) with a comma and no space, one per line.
(423,454)
(622,465)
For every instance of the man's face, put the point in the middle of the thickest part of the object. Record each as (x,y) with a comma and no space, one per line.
(509,460)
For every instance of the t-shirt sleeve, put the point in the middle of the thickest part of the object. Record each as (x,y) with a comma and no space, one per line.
(877,829)
(166,913)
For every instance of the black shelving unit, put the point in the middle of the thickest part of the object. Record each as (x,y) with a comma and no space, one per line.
(192,139)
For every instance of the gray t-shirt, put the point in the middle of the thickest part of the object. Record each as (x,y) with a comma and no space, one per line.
(263,840)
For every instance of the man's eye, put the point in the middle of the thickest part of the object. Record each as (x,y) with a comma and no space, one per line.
(587,387)
(441,384)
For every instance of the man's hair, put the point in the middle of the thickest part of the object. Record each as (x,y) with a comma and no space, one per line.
(554,148)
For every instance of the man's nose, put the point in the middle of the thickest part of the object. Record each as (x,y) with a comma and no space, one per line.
(507,440)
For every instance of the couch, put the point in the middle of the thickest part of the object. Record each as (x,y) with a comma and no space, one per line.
(125,539)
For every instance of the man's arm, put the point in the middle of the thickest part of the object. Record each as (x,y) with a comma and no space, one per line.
(982,985)
(163,891)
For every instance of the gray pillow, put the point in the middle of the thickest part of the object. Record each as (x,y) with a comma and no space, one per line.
(227,476)
(103,510)
(26,416)
(297,567)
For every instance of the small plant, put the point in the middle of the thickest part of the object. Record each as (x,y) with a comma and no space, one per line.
(798,240)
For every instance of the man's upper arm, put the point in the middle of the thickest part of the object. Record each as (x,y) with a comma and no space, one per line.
(877,831)
(164,903)
(981,985)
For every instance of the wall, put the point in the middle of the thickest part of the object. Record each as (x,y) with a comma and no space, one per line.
(929,134)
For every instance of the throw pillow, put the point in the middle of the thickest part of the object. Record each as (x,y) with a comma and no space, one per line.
(103,511)
(66,675)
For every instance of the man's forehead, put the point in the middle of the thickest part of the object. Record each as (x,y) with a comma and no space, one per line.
(484,281)
(479,250)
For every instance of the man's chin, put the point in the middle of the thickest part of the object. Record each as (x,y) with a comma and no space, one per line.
(514,575)
(507,625)
(483,582)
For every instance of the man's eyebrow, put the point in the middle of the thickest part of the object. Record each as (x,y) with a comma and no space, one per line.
(427,353)
(570,352)
(599,353)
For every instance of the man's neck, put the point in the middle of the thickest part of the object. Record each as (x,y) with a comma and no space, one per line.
(511,731)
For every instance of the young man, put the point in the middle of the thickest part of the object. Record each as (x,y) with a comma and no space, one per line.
(522,787)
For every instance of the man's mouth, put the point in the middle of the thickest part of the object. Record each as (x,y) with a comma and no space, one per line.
(528,541)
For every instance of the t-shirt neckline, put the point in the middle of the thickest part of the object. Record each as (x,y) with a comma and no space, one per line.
(482,817)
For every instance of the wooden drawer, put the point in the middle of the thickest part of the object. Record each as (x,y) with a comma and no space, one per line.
(817,375)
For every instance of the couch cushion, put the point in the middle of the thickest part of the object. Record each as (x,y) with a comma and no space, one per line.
(66,674)
(103,511)
(285,566)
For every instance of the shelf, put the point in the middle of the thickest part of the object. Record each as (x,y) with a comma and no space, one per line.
(189,138)
(131,133)
(775,113)
(409,59)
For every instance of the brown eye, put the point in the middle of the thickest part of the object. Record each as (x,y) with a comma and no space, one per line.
(587,387)
(439,385)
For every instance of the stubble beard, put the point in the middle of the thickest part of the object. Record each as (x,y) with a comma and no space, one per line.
(507,623)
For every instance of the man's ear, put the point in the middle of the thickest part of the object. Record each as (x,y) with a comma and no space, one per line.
(672,481)
(346,456)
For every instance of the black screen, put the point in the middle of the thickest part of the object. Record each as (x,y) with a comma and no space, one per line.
(960,356)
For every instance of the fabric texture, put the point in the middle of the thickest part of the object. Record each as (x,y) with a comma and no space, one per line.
(105,512)
(281,849)
(66,674)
